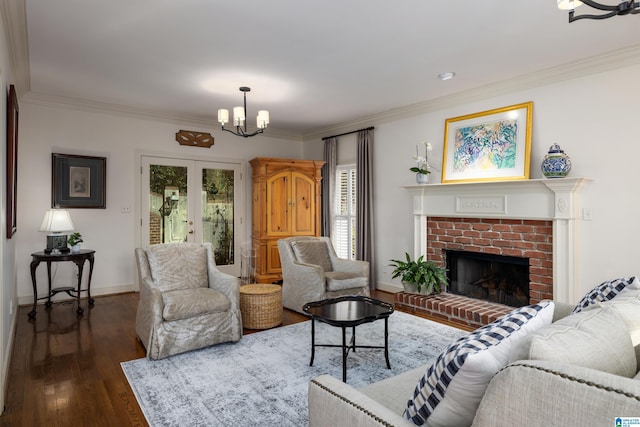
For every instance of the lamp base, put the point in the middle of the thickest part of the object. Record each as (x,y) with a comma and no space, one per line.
(56,243)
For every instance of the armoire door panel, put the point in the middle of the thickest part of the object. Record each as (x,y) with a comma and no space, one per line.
(273,258)
(304,211)
(278,204)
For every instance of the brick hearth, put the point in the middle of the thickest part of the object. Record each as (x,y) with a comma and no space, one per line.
(455,309)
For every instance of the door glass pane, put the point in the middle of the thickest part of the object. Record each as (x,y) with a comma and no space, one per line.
(218,213)
(168,204)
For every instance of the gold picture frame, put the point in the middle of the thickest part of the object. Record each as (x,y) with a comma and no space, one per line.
(493,145)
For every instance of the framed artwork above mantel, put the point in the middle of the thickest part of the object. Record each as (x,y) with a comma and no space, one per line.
(78,181)
(493,145)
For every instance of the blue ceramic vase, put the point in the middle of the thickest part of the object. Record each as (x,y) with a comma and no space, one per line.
(556,163)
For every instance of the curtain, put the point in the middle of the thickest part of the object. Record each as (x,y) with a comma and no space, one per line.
(364,195)
(328,184)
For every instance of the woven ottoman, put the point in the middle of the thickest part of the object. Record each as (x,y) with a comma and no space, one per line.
(261,306)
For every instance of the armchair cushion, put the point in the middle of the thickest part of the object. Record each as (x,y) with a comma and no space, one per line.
(312,252)
(176,267)
(339,281)
(187,303)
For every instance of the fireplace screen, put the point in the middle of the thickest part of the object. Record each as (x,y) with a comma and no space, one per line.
(495,278)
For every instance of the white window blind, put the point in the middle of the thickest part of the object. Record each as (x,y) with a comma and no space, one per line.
(344,228)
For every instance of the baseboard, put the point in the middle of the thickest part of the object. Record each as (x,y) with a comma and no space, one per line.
(109,290)
(7,359)
(389,287)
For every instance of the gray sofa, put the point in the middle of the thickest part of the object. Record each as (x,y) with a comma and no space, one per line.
(580,370)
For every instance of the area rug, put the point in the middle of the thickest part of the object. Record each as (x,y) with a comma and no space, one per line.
(263,378)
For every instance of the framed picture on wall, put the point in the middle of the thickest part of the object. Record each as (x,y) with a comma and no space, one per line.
(12,160)
(492,145)
(78,181)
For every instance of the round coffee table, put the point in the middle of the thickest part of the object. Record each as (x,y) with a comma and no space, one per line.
(344,312)
(261,306)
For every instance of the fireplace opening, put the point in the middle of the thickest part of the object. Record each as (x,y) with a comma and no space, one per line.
(495,278)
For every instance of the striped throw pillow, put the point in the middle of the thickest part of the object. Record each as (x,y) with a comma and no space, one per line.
(450,391)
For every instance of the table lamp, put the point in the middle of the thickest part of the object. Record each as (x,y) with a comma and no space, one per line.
(56,222)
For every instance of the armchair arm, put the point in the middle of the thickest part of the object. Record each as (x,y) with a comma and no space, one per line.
(361,268)
(227,284)
(334,403)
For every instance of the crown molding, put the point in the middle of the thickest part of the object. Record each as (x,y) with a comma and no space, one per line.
(14,19)
(617,59)
(78,104)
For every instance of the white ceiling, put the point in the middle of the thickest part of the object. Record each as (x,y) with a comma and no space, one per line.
(313,65)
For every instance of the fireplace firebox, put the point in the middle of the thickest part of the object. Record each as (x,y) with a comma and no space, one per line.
(495,278)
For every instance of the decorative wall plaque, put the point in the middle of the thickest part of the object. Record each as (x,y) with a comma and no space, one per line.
(194,139)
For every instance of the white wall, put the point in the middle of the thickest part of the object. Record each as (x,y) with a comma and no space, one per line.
(7,246)
(593,118)
(121,140)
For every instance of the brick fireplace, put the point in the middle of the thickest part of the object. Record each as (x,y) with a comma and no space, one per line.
(533,219)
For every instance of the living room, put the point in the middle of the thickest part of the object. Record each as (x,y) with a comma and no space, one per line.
(588,106)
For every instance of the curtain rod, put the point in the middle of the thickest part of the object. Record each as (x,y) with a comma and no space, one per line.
(347,133)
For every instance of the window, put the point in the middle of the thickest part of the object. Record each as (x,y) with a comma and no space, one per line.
(344,227)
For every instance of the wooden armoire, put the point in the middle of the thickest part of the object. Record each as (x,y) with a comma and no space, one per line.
(286,197)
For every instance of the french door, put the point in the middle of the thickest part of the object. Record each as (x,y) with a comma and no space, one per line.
(193,201)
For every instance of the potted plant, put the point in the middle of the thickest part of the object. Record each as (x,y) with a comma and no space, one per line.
(422,169)
(74,241)
(420,276)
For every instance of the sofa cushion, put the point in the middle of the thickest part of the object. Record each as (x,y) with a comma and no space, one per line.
(628,308)
(595,339)
(312,252)
(339,281)
(608,290)
(178,266)
(450,391)
(187,303)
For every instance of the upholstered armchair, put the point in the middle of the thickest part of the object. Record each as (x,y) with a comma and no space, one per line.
(186,303)
(311,271)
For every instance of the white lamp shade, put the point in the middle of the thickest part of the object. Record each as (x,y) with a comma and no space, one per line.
(238,116)
(223,116)
(57,221)
(568,4)
(263,119)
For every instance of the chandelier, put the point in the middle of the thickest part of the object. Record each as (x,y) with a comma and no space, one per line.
(239,118)
(624,8)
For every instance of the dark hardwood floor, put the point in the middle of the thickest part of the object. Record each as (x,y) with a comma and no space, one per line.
(65,370)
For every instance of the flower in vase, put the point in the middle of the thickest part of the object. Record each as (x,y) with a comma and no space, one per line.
(423,162)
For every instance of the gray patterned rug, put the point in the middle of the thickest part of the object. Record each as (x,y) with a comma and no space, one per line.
(262,379)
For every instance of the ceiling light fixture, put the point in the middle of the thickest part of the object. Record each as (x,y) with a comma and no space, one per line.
(239,118)
(446,76)
(624,8)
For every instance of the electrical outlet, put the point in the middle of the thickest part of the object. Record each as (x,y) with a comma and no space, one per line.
(125,209)
(587,215)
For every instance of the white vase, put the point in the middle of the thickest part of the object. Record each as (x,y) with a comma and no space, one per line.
(75,248)
(412,288)
(422,178)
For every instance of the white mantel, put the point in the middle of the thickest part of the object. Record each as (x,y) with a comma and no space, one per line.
(554,200)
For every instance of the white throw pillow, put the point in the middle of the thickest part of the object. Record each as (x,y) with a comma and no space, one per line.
(450,391)
(607,291)
(596,339)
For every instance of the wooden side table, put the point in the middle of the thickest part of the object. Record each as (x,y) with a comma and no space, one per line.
(261,306)
(79,260)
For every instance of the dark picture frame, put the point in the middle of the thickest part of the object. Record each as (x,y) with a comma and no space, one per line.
(12,161)
(78,181)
